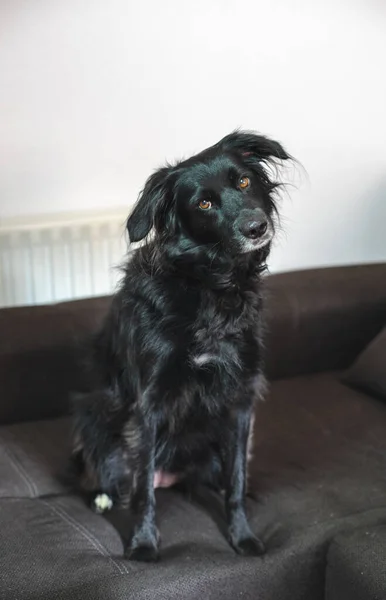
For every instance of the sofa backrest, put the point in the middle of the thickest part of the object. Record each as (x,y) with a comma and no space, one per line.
(40,356)
(317,320)
(321,319)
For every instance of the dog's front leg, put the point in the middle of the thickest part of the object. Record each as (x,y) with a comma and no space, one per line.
(234,450)
(143,543)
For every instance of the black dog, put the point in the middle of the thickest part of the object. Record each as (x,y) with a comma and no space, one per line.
(177,366)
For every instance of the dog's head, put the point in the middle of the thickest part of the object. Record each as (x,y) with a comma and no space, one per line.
(221,198)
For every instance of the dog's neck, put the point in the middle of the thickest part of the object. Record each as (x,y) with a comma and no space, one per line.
(207,267)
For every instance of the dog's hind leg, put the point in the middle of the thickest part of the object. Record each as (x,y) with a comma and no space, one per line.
(106,480)
(99,456)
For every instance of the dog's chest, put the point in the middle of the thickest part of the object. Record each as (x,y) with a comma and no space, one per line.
(214,357)
(215,348)
(221,338)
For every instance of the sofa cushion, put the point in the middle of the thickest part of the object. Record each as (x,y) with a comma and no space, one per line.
(57,548)
(369,370)
(356,565)
(311,431)
(55,544)
(34,458)
(319,468)
(319,449)
(40,353)
(320,319)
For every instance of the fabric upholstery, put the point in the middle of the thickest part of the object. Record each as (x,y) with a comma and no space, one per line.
(356,565)
(369,370)
(52,544)
(318,320)
(321,443)
(40,357)
(321,319)
(33,458)
(319,447)
(317,476)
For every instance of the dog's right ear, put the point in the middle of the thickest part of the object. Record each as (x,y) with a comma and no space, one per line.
(151,199)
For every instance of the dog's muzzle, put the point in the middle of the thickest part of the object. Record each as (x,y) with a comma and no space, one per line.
(255,229)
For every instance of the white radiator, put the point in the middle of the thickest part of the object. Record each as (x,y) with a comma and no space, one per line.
(60,258)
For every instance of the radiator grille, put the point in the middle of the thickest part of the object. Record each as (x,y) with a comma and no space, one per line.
(60,259)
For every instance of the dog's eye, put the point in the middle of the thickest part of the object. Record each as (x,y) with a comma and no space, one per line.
(244,182)
(205,204)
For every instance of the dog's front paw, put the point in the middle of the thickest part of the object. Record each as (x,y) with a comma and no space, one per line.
(143,547)
(248,546)
(142,553)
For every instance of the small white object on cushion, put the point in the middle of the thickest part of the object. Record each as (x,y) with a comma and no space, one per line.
(103,502)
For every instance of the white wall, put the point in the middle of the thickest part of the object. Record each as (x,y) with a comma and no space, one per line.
(96,93)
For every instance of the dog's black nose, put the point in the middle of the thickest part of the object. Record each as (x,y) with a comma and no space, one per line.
(254,229)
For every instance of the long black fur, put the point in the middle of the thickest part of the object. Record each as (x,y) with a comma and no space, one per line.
(177,365)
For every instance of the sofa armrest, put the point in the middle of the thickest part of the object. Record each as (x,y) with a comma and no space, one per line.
(321,319)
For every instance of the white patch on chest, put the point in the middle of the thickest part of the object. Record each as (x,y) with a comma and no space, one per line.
(203,359)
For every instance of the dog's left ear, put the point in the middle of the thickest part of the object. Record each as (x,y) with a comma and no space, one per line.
(252,145)
(152,198)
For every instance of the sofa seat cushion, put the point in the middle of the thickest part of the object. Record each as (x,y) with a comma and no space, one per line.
(34,458)
(356,565)
(319,469)
(314,436)
(319,450)
(56,548)
(54,544)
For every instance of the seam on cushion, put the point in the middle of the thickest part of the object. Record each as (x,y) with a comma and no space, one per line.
(122,568)
(17,465)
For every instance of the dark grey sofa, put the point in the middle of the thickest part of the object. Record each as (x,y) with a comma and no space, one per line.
(318,476)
